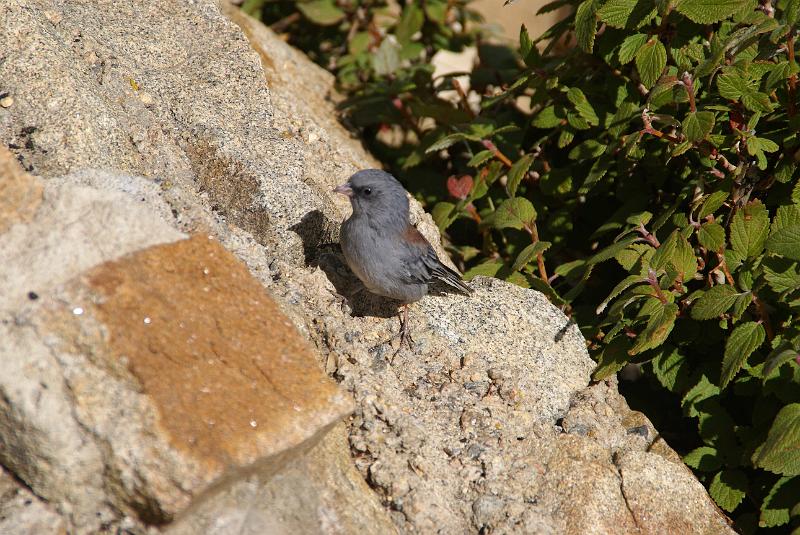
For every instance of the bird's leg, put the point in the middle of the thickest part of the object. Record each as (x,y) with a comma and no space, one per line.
(405,330)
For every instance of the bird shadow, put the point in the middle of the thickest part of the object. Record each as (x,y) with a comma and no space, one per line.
(318,252)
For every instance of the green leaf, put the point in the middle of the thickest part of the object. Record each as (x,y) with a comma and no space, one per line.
(712,203)
(611,251)
(728,488)
(780,355)
(410,22)
(749,229)
(529,253)
(514,213)
(548,118)
(744,339)
(785,242)
(711,236)
(582,106)
(782,274)
(697,125)
(780,453)
(709,11)
(322,12)
(671,369)
(703,390)
(782,499)
(517,172)
(480,158)
(628,14)
(623,285)
(629,47)
(704,459)
(444,213)
(650,62)
(525,42)
(755,144)
(786,216)
(612,359)
(489,268)
(586,24)
(386,60)
(658,328)
(713,303)
(447,141)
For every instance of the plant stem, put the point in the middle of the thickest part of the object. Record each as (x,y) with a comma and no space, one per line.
(689,85)
(463,95)
(497,154)
(793,77)
(539,256)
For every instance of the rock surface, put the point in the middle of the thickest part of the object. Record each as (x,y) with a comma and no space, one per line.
(487,424)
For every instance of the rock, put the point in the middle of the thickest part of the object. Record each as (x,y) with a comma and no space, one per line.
(238,140)
(22,513)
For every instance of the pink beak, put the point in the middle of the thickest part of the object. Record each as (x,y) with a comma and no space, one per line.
(344,189)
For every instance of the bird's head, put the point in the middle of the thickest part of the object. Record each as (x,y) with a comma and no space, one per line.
(377,195)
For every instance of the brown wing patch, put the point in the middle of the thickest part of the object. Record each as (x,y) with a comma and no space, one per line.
(414,236)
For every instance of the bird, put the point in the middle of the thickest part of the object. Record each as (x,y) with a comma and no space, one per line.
(383,249)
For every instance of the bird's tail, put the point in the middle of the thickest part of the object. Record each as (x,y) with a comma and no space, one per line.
(451,278)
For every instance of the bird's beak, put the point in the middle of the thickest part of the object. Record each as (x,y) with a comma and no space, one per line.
(344,189)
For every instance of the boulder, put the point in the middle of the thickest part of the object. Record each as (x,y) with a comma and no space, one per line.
(221,130)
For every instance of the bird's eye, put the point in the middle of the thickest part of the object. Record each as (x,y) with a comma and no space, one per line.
(367,191)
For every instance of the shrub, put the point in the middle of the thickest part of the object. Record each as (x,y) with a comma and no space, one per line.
(646,180)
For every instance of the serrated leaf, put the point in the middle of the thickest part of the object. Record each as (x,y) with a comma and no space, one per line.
(781,274)
(612,359)
(411,21)
(322,12)
(743,301)
(749,229)
(517,172)
(782,499)
(780,453)
(728,488)
(709,11)
(525,42)
(697,125)
(701,391)
(755,144)
(623,285)
(582,106)
(611,251)
(664,252)
(629,47)
(711,236)
(650,62)
(671,369)
(443,215)
(588,150)
(741,343)
(486,269)
(529,253)
(704,459)
(565,138)
(714,302)
(447,141)
(712,203)
(480,158)
(786,216)
(514,213)
(658,328)
(628,14)
(780,355)
(547,118)
(785,242)
(586,24)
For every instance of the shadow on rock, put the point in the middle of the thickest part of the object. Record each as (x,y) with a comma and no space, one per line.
(328,257)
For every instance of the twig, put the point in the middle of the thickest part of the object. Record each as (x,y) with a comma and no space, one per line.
(463,95)
(497,154)
(653,281)
(686,79)
(648,128)
(285,22)
(539,256)
(763,315)
(793,77)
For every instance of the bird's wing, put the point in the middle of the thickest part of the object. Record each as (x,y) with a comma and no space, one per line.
(424,266)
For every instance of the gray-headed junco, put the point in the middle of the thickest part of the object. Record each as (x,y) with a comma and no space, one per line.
(381,246)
